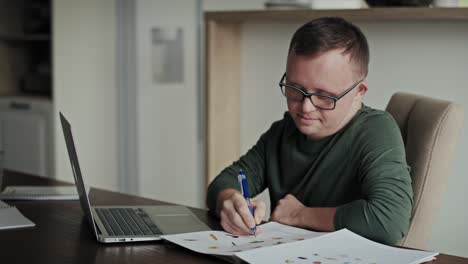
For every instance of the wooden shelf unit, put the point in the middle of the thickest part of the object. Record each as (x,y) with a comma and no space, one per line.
(365,14)
(223,51)
(25,38)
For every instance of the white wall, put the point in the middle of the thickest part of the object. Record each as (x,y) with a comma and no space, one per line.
(170,160)
(84,88)
(168,117)
(425,58)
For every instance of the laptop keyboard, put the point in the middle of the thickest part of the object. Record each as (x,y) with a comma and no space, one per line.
(127,222)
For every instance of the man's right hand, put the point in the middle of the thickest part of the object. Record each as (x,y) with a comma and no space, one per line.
(234,212)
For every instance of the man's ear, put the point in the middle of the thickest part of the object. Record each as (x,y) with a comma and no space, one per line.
(362,88)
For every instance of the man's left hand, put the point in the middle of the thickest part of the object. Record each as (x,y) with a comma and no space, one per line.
(287,211)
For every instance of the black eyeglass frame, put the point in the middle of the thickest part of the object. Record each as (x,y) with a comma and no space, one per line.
(309,95)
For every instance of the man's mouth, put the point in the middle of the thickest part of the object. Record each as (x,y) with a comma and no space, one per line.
(307,119)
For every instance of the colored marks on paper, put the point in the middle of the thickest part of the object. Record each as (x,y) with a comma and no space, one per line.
(256,241)
(213,237)
(315,258)
(339,259)
(231,235)
(190,239)
(301,258)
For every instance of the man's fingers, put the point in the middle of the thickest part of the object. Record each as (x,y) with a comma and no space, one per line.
(228,227)
(236,218)
(233,223)
(243,209)
(239,224)
(230,220)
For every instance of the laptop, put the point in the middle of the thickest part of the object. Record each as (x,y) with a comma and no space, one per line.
(128,223)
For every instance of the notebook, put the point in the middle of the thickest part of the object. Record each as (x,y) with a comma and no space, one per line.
(10,217)
(277,243)
(39,193)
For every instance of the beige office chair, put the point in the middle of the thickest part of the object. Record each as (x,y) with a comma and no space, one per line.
(430,129)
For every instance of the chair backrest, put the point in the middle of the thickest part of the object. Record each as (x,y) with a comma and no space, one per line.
(430,129)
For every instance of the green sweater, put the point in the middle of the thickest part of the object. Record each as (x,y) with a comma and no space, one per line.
(361,170)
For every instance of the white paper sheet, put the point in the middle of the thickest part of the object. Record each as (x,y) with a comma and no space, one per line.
(39,193)
(342,247)
(10,217)
(222,243)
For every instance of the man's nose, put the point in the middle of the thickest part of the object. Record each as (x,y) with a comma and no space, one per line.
(307,105)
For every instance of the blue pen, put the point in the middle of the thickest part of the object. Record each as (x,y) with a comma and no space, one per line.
(245,193)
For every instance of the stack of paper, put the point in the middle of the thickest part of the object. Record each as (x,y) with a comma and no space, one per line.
(341,246)
(278,243)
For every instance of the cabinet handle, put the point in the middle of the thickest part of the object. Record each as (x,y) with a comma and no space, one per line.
(20,106)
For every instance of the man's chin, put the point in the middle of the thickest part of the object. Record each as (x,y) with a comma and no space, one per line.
(309,130)
(308,124)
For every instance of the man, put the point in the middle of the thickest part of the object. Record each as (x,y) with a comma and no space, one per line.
(331,162)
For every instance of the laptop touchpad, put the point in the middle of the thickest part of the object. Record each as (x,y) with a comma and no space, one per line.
(175,221)
(178,224)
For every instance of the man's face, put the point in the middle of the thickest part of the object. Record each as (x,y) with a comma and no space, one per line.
(329,73)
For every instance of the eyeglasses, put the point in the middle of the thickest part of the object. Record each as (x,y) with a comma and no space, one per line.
(321,101)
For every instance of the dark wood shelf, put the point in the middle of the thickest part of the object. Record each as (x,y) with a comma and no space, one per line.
(22,95)
(25,38)
(364,14)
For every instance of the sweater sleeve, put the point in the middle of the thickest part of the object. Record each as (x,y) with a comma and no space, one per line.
(383,211)
(253,165)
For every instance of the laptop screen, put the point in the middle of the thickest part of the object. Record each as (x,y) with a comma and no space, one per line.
(82,192)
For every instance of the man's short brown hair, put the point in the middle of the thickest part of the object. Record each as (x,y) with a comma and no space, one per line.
(332,33)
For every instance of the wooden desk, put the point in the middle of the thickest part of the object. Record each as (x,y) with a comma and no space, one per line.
(61,234)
